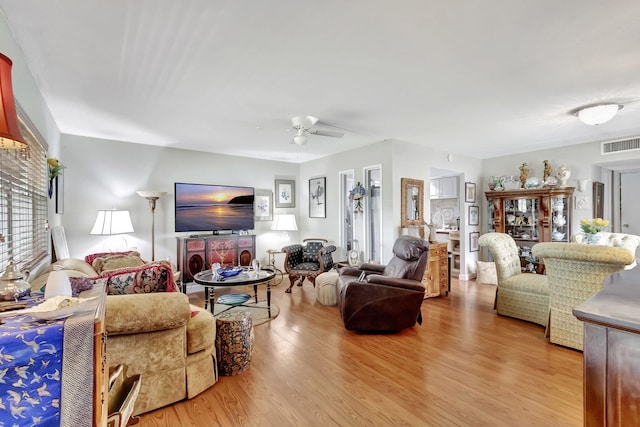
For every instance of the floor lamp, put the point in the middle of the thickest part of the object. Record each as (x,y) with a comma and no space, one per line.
(152,196)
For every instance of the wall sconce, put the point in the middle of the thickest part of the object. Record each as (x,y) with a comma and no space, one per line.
(582,184)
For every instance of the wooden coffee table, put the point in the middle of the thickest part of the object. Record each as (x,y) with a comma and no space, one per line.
(247,277)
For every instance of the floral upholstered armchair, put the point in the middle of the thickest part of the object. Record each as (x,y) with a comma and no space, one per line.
(519,295)
(307,261)
(576,272)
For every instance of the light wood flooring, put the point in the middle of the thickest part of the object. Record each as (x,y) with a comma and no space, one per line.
(465,366)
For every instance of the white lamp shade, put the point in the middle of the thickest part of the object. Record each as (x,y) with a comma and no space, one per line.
(58,284)
(151,194)
(284,222)
(110,222)
(598,114)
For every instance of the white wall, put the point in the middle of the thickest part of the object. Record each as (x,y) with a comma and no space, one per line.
(28,96)
(104,174)
(398,160)
(329,227)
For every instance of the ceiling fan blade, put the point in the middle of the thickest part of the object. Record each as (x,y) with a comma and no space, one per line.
(330,133)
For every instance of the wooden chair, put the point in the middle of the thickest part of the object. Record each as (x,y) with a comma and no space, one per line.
(307,260)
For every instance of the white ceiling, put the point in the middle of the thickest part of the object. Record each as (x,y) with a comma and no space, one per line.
(483,78)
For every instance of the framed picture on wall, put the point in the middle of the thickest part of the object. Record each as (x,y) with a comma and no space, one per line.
(474,214)
(473,241)
(317,198)
(470,192)
(263,205)
(285,193)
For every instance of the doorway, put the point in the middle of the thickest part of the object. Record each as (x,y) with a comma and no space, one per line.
(629,202)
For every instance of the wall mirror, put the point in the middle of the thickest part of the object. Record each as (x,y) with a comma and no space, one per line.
(412,207)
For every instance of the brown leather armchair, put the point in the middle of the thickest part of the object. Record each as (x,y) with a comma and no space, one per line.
(385,298)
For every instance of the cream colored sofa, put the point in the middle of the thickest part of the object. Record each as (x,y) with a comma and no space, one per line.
(576,271)
(160,336)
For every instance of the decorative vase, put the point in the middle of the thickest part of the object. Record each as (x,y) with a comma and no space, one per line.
(563,175)
(51,188)
(593,238)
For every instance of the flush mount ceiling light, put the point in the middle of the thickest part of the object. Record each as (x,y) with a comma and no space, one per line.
(597,114)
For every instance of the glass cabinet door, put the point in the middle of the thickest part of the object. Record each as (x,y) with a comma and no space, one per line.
(521,218)
(560,219)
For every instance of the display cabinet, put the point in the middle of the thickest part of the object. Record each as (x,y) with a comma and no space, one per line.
(531,216)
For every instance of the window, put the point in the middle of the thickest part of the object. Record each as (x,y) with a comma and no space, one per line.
(373,222)
(23,201)
(346,211)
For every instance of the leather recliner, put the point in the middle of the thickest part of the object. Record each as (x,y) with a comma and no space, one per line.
(385,298)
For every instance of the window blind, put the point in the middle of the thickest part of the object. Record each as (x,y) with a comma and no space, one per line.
(23,201)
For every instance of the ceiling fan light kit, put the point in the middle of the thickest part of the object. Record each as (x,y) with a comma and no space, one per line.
(597,114)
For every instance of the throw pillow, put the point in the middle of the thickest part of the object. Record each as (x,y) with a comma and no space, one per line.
(90,258)
(487,273)
(115,262)
(148,278)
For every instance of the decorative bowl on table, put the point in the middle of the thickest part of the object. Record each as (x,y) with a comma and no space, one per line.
(233,299)
(229,271)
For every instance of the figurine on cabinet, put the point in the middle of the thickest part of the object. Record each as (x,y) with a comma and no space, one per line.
(547,171)
(524,174)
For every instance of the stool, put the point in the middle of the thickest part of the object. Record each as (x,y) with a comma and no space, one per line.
(326,288)
(234,342)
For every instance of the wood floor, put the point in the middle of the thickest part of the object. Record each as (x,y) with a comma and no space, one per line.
(465,366)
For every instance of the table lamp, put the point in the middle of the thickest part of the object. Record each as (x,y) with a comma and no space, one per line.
(284,222)
(112,222)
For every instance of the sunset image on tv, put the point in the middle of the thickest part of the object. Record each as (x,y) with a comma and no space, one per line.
(201,207)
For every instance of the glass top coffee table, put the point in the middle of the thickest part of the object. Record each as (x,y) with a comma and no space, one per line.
(246,277)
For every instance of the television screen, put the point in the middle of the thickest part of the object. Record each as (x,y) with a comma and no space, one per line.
(201,207)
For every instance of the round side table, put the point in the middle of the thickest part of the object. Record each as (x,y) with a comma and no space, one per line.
(234,342)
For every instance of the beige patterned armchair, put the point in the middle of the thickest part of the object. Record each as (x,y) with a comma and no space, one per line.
(576,272)
(520,295)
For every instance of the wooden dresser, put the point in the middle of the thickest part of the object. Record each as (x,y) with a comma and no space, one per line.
(436,276)
(612,352)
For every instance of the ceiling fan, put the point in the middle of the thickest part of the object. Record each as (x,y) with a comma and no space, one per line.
(303,124)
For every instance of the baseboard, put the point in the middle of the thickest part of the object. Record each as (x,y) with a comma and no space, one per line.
(465,277)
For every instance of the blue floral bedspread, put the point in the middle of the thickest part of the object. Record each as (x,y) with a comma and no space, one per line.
(30,371)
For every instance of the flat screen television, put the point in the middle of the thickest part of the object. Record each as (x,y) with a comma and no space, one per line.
(203,207)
